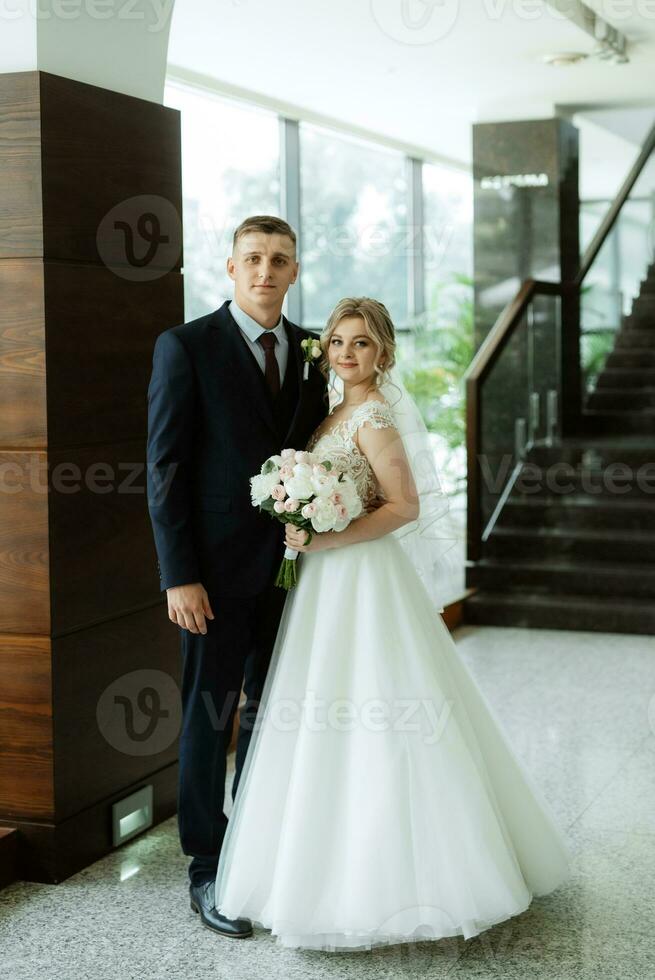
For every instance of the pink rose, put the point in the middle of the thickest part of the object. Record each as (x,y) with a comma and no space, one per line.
(336,498)
(278,492)
(290,505)
(288,453)
(286,472)
(308,510)
(342,512)
(278,507)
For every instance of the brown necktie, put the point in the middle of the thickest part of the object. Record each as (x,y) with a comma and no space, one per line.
(271,371)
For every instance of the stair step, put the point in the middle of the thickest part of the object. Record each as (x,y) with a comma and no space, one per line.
(579,510)
(578,544)
(633,337)
(605,422)
(567,612)
(631,357)
(645,300)
(608,474)
(634,450)
(558,487)
(639,320)
(9,855)
(547,578)
(624,399)
(627,377)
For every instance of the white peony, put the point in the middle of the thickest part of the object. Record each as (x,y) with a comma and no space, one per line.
(300,486)
(326,515)
(349,496)
(261,487)
(323,484)
(341,525)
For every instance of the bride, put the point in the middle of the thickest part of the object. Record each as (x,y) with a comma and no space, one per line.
(379,801)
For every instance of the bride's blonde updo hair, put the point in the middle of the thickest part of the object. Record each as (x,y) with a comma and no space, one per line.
(379,326)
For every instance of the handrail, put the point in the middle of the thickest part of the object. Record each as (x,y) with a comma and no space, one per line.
(485,358)
(493,344)
(503,329)
(622,196)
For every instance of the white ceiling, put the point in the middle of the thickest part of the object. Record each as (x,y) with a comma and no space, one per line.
(355,61)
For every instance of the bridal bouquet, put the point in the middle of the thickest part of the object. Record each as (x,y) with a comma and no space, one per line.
(301,489)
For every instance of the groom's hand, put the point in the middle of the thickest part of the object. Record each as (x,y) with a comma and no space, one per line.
(188,605)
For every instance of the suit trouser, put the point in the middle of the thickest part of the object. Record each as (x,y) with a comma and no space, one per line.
(235,651)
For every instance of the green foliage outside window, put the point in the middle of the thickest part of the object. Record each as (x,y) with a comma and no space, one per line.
(442,350)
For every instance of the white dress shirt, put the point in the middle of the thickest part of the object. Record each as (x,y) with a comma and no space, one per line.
(251,330)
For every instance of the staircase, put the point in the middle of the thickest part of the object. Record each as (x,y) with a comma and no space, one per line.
(579,553)
(623,401)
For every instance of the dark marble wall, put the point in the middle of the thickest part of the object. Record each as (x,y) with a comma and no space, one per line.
(522,231)
(525,226)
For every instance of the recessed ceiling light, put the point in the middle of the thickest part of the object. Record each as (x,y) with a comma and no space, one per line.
(561,59)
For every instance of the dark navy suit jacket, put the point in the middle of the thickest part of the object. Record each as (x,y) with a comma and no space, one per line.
(211,425)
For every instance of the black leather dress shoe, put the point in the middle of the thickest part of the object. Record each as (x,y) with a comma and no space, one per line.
(202,901)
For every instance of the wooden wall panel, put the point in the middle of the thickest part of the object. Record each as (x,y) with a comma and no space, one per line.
(24,576)
(98,754)
(101,331)
(9,856)
(22,354)
(90,274)
(52,852)
(101,150)
(26,756)
(21,226)
(102,555)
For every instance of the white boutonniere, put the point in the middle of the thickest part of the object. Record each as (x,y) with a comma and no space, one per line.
(311,349)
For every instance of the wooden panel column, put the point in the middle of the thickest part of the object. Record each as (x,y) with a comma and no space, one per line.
(90,273)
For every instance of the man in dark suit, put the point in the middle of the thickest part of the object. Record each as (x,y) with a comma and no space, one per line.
(227,391)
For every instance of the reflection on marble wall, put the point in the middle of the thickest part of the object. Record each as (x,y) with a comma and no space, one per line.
(525,226)
(526,207)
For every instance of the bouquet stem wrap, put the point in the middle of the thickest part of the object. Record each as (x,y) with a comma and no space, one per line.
(287,575)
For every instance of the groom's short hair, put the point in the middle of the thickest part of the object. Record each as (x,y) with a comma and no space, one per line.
(266,223)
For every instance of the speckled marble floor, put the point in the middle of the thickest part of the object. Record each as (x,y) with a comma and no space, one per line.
(580,710)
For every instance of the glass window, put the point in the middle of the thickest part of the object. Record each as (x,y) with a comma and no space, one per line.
(353,224)
(437,351)
(448,239)
(230,169)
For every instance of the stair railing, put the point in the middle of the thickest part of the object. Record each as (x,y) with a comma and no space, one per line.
(520,326)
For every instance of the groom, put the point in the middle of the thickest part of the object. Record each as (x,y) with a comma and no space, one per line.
(227,391)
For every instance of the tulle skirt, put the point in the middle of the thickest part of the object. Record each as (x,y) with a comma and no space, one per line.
(380,801)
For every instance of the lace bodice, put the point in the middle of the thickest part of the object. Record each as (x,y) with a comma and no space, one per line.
(339,446)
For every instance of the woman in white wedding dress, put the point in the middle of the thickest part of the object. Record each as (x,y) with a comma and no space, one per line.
(380,801)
